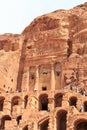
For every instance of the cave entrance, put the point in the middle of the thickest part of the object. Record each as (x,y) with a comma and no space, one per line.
(44,125)
(26,127)
(61,120)
(85,106)
(73,101)
(1,103)
(81,126)
(43,102)
(58,100)
(4,118)
(69,50)
(15,102)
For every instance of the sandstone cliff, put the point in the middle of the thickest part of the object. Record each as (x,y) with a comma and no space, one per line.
(61,33)
(10,51)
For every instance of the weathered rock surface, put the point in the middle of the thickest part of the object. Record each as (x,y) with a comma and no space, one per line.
(36,67)
(62,36)
(61,33)
(9,61)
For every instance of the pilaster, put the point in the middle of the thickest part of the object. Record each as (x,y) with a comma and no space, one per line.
(7,106)
(51,103)
(37,78)
(52,77)
(25,79)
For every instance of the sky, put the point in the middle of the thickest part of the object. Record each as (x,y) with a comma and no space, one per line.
(15,15)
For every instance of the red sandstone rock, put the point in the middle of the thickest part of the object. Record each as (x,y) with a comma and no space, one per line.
(39,67)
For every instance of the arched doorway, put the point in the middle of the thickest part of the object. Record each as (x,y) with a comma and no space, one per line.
(14,102)
(44,125)
(1,103)
(73,101)
(25,128)
(43,102)
(81,125)
(45,77)
(3,119)
(61,120)
(58,100)
(85,106)
(25,101)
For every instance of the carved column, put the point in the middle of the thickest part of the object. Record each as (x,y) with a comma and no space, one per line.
(37,78)
(39,127)
(65,102)
(51,103)
(50,124)
(31,126)
(36,127)
(55,123)
(7,105)
(25,79)
(52,77)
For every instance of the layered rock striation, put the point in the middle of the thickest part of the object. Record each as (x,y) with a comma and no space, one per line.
(44,71)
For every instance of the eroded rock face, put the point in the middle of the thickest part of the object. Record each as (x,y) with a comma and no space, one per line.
(37,69)
(10,48)
(59,36)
